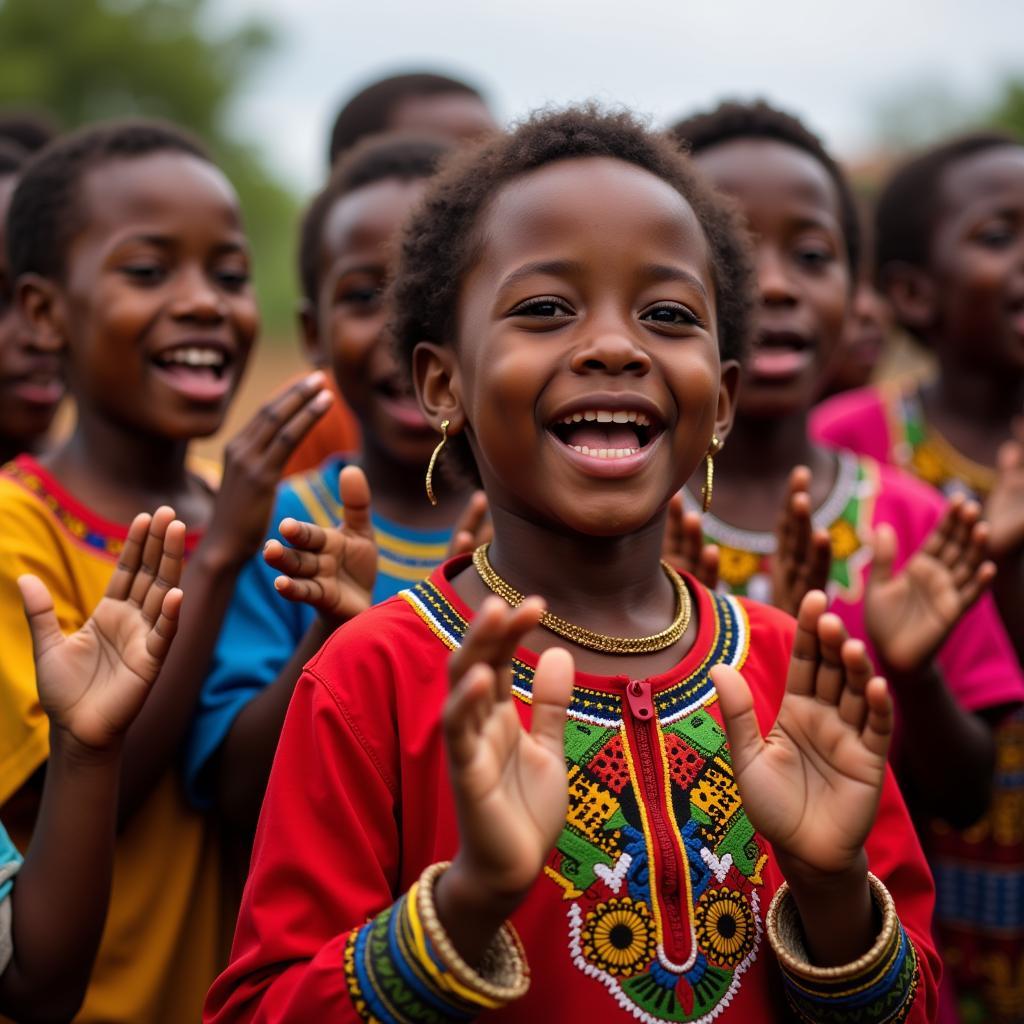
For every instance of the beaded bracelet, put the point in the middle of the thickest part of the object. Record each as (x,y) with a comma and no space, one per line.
(504,974)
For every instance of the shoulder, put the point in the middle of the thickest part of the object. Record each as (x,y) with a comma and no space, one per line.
(903,500)
(850,419)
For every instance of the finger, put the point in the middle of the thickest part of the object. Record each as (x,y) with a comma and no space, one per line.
(462,543)
(290,434)
(355,501)
(263,427)
(41,615)
(828,680)
(883,556)
(820,560)
(152,552)
(737,705)
(120,584)
(473,515)
(707,571)
(168,571)
(977,549)
(464,712)
(552,691)
(494,635)
(944,528)
(692,540)
(299,534)
(977,586)
(959,536)
(1010,456)
(165,628)
(301,591)
(877,732)
(803,662)
(294,562)
(858,669)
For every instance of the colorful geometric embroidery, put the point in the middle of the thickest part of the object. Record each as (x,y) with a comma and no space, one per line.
(745,555)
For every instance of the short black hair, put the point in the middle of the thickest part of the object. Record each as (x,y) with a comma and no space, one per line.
(370,110)
(380,158)
(30,129)
(908,206)
(12,157)
(442,238)
(733,120)
(45,214)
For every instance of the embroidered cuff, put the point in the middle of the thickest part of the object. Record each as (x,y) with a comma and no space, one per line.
(401,967)
(878,987)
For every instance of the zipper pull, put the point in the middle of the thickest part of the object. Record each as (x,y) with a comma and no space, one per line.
(639,696)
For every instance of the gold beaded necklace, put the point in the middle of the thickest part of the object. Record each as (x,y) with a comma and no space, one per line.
(585,637)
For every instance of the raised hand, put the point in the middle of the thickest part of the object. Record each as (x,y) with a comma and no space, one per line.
(811,786)
(510,784)
(1004,510)
(910,614)
(253,463)
(803,555)
(473,527)
(684,548)
(332,570)
(93,683)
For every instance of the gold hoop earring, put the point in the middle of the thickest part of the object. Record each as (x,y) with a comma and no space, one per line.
(445,424)
(709,472)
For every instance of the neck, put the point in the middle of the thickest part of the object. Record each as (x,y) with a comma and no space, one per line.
(975,395)
(765,448)
(398,493)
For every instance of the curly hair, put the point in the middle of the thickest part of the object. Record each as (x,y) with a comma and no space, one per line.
(45,214)
(379,158)
(908,206)
(760,120)
(12,158)
(442,238)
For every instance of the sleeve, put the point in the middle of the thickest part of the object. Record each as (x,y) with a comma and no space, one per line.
(10,861)
(856,421)
(260,632)
(27,545)
(897,979)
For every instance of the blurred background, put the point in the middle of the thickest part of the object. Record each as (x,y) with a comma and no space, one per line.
(261,80)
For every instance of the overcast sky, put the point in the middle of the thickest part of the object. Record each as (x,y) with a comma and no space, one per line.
(833,63)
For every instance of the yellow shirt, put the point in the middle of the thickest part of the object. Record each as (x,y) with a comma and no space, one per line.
(163,941)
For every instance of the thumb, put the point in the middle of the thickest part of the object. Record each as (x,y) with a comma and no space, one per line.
(552,691)
(42,618)
(737,707)
(884,554)
(354,490)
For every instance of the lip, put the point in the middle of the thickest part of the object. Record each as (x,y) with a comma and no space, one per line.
(611,401)
(608,469)
(46,393)
(200,387)
(780,355)
(404,411)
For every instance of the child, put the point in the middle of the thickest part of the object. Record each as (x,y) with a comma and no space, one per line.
(950,253)
(129,255)
(572,301)
(30,380)
(346,254)
(91,687)
(421,103)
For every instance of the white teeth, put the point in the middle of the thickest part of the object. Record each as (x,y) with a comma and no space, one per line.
(608,416)
(604,416)
(194,356)
(621,417)
(605,453)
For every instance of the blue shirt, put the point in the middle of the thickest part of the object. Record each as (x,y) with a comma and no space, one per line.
(261,629)
(8,855)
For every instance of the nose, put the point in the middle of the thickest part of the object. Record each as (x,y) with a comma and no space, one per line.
(198,299)
(774,284)
(611,349)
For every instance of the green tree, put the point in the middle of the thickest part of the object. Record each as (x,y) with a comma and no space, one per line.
(1008,110)
(89,59)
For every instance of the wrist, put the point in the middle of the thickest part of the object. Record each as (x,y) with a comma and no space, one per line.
(218,554)
(67,750)
(463,893)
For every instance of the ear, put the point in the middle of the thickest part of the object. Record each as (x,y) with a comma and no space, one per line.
(438,387)
(912,295)
(309,332)
(727,394)
(41,305)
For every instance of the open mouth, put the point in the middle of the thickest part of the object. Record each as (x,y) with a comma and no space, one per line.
(400,404)
(39,389)
(780,355)
(199,371)
(606,433)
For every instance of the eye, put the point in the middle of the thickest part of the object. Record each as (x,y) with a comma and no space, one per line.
(672,314)
(813,256)
(359,296)
(543,308)
(145,274)
(233,278)
(996,234)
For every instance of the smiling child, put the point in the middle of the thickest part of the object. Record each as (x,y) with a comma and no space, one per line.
(572,301)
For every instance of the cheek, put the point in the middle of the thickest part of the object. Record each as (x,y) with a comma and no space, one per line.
(245,317)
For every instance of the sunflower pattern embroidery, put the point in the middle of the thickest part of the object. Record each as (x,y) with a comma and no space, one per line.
(725,927)
(618,937)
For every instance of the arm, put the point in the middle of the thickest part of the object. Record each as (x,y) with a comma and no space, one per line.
(91,685)
(909,617)
(333,571)
(253,464)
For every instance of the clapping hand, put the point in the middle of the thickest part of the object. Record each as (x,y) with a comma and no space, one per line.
(684,548)
(803,554)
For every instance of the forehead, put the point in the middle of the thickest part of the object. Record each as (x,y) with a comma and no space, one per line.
(168,188)
(368,218)
(767,172)
(611,207)
(454,115)
(991,177)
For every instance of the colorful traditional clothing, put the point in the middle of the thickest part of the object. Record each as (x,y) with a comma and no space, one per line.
(262,629)
(979,873)
(163,939)
(652,905)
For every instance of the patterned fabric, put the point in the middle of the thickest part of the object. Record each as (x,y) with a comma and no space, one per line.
(10,862)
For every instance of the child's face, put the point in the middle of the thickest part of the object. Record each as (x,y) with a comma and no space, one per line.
(157,309)
(976,260)
(31,386)
(356,261)
(792,209)
(586,369)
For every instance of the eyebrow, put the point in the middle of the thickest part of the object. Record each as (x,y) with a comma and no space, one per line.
(561,268)
(166,242)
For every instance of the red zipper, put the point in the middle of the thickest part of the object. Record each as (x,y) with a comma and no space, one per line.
(650,772)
